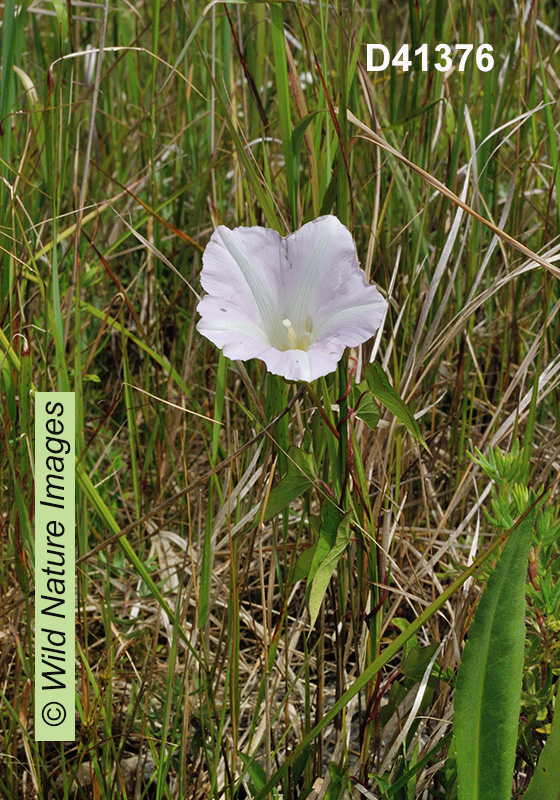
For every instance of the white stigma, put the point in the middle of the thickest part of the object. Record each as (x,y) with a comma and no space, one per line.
(290,330)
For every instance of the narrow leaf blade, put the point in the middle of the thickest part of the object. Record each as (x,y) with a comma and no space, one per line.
(488,694)
(545,783)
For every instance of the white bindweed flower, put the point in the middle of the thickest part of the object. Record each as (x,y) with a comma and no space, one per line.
(295,302)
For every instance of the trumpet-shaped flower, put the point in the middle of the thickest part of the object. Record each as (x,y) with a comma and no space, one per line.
(295,302)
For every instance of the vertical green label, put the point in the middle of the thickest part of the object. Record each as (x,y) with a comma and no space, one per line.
(55,543)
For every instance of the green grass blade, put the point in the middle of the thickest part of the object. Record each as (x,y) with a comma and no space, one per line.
(553,147)
(207,553)
(97,502)
(283,91)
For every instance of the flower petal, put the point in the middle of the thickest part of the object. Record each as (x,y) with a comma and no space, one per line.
(303,365)
(356,322)
(241,268)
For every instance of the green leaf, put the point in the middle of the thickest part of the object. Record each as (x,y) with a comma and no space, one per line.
(416,662)
(545,783)
(383,784)
(338,785)
(488,693)
(393,789)
(384,392)
(328,526)
(327,556)
(368,410)
(298,478)
(303,564)
(256,772)
(300,763)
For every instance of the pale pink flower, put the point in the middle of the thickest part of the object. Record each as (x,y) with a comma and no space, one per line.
(295,302)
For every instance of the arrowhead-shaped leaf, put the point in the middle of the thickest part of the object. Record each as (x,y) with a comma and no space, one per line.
(298,478)
(368,410)
(333,541)
(384,392)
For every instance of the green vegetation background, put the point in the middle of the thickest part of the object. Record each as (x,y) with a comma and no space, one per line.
(194,650)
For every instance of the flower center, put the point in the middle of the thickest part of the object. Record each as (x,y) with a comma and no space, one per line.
(298,339)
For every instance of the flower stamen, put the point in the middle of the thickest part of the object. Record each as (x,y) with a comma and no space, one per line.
(298,342)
